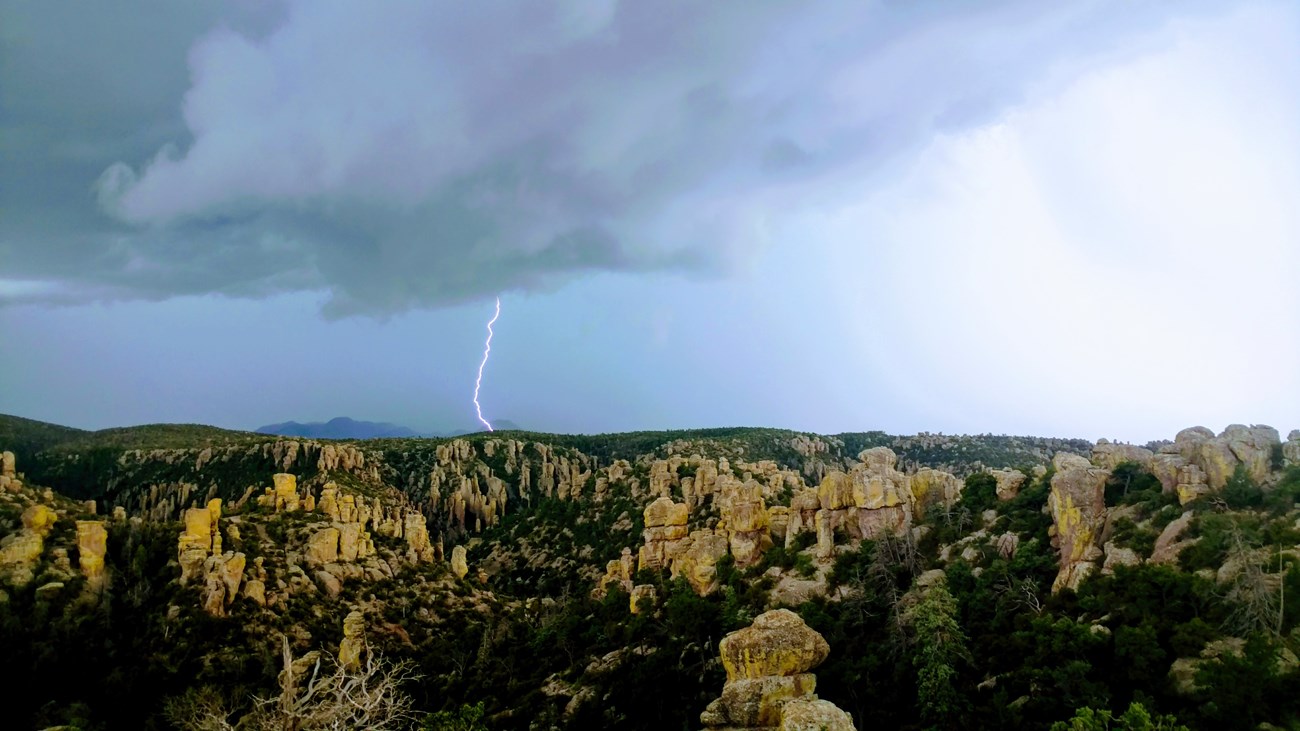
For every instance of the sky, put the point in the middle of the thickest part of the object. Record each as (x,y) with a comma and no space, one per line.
(1061,219)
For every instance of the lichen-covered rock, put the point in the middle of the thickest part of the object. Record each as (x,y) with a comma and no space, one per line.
(8,473)
(804,714)
(768,684)
(617,573)
(459,562)
(354,640)
(698,560)
(931,487)
(39,519)
(1118,556)
(1078,507)
(92,545)
(777,643)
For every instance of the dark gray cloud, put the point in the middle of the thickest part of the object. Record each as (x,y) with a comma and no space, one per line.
(407,155)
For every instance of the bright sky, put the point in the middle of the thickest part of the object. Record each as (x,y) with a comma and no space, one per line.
(1020,218)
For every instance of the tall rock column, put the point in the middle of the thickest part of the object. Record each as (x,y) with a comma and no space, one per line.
(1077,502)
(92,545)
(768,684)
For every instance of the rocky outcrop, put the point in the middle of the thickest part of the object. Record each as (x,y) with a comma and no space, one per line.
(418,547)
(1078,507)
(882,495)
(1291,450)
(697,560)
(617,573)
(1108,455)
(665,533)
(746,521)
(9,473)
(21,552)
(92,545)
(1009,482)
(768,684)
(932,487)
(222,577)
(459,562)
(640,593)
(199,539)
(1170,544)
(1199,463)
(354,640)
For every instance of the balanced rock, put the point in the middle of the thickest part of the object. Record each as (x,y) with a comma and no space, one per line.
(777,643)
(768,684)
(747,522)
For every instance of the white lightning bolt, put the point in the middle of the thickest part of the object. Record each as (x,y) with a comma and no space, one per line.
(487,350)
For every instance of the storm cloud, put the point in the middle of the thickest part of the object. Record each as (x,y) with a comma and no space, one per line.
(416,155)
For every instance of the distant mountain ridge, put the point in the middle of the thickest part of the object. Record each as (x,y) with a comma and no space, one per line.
(342,427)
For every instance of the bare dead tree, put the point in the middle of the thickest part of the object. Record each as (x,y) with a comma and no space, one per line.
(1252,592)
(316,694)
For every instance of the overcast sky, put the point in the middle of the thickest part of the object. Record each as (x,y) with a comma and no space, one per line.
(1070,219)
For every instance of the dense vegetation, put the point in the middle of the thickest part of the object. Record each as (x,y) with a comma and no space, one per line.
(919,637)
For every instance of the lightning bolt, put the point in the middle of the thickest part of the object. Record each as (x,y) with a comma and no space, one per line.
(487,350)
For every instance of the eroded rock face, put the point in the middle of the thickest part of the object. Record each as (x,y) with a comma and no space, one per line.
(768,684)
(617,573)
(1078,507)
(639,593)
(418,547)
(354,640)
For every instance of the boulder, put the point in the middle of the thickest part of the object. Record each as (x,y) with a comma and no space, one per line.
(803,714)
(777,643)
(1291,450)
(931,487)
(322,547)
(1168,546)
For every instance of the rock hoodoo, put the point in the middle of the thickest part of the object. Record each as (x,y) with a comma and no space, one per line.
(1077,502)
(768,685)
(459,563)
(92,545)
(354,640)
